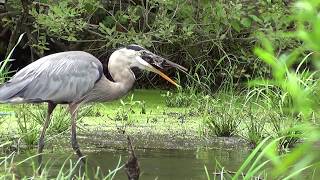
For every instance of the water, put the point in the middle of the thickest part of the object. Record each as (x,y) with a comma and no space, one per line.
(154,164)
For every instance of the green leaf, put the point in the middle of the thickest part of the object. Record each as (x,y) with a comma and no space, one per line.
(255,18)
(235,25)
(5,62)
(266,57)
(246,22)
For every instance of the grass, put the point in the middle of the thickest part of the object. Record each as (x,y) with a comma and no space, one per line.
(255,129)
(4,67)
(146,112)
(224,117)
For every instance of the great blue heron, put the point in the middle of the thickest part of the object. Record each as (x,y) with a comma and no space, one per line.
(76,77)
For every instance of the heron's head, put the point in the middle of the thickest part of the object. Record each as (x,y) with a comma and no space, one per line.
(137,56)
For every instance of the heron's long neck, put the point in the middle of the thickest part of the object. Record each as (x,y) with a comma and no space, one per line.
(107,90)
(123,80)
(121,73)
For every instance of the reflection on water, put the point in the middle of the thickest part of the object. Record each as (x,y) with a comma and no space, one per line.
(154,164)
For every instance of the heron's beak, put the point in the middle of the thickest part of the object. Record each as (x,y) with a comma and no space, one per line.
(152,69)
(154,61)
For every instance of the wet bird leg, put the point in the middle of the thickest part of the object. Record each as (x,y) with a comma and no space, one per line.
(51,107)
(74,142)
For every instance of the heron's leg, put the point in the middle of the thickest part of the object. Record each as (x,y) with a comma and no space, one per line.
(51,107)
(74,142)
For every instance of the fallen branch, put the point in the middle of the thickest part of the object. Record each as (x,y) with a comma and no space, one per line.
(96,33)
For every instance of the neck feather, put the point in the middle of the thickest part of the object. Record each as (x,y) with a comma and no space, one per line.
(107,90)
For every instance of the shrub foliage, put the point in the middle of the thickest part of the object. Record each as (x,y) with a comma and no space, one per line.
(218,35)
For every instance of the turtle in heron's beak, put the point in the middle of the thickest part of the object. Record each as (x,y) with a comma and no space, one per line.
(154,63)
(158,62)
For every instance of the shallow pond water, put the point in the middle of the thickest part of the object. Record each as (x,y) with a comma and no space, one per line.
(154,164)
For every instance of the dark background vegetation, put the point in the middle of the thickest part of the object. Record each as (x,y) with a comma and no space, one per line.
(213,38)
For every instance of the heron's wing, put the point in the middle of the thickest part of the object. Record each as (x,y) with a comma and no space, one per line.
(62,78)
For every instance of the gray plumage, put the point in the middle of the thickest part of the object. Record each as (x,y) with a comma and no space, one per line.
(62,78)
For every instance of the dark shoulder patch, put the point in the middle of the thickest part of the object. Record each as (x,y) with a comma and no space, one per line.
(135,47)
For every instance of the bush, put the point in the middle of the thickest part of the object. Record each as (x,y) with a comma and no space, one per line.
(190,33)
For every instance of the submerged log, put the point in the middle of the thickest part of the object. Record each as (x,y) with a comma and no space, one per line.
(132,166)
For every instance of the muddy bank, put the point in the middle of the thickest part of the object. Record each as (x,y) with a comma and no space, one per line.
(149,140)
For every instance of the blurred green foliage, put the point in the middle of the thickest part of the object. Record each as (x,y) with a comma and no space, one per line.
(301,87)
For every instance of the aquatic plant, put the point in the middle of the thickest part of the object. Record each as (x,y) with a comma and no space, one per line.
(27,125)
(126,109)
(60,121)
(92,110)
(224,118)
(255,123)
(198,84)
(284,127)
(178,99)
